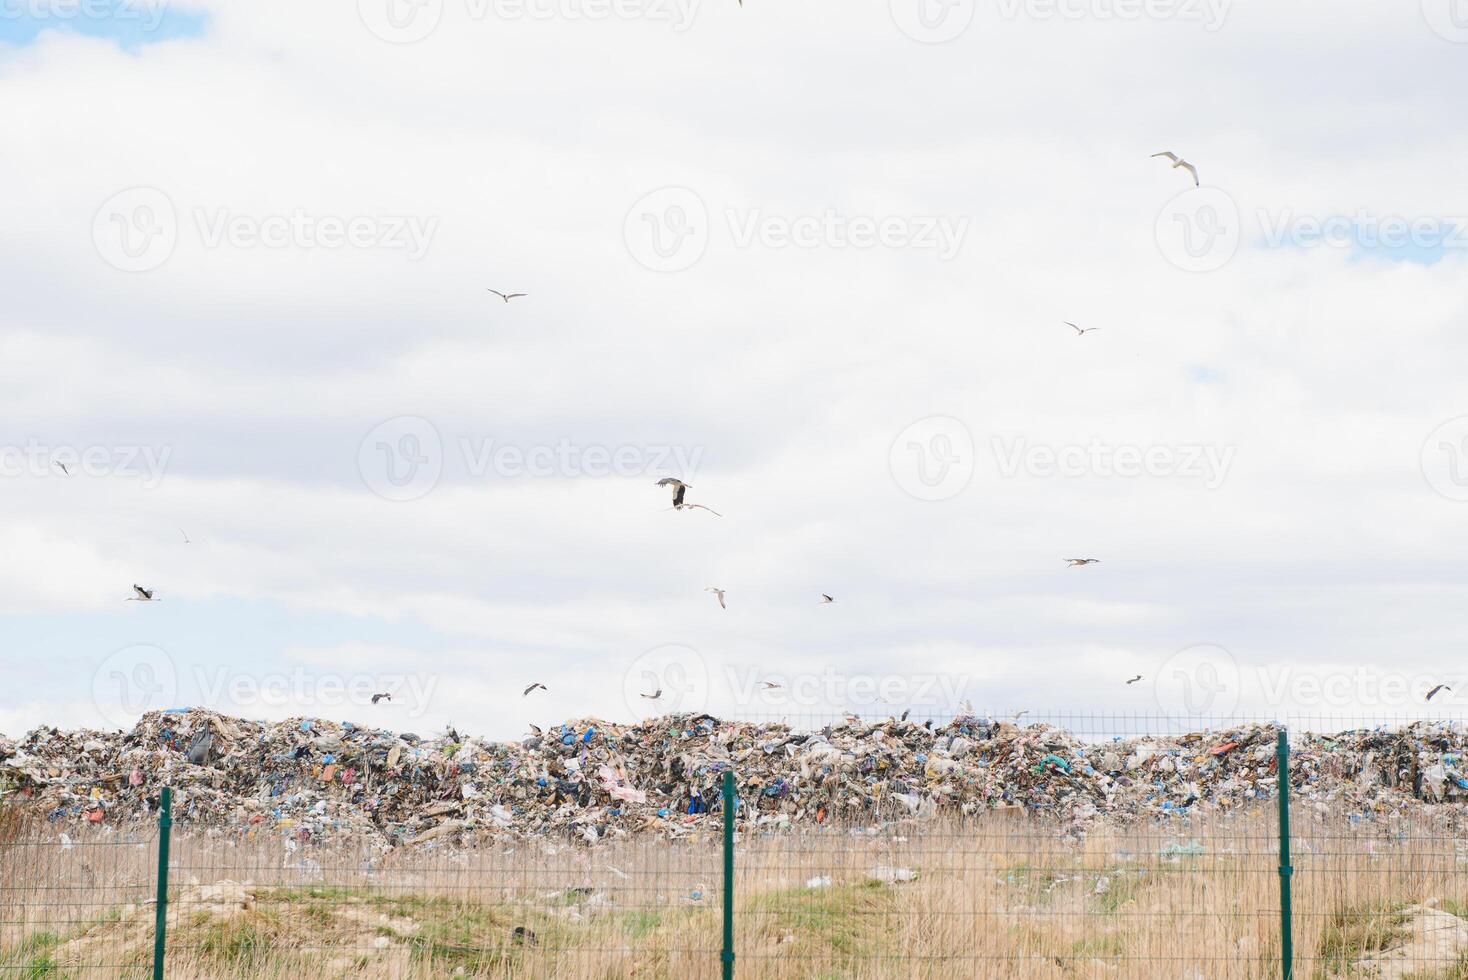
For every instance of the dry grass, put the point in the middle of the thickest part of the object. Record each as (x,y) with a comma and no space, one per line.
(997,898)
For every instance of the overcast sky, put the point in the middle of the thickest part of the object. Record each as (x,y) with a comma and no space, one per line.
(816,259)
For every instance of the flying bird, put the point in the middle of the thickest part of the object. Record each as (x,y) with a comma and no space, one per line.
(1135,679)
(770,685)
(142,595)
(1020,714)
(533,687)
(508,296)
(654,695)
(535,730)
(825,600)
(679,489)
(1078,562)
(905,713)
(62,468)
(719,593)
(185,536)
(381,697)
(1177,162)
(1440,687)
(1078,330)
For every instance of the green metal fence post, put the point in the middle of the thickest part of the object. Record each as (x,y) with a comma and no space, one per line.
(1286,933)
(160,924)
(730,803)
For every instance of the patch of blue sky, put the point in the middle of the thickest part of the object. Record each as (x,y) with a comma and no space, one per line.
(1422,240)
(206,647)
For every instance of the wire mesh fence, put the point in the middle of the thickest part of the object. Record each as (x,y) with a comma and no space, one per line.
(826,882)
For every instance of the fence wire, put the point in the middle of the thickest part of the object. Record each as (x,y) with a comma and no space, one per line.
(888,892)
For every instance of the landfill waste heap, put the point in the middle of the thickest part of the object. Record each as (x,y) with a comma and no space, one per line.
(316,781)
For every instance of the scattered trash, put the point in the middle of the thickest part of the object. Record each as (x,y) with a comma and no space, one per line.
(309,780)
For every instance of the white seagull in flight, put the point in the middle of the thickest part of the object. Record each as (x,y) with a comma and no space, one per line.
(1177,162)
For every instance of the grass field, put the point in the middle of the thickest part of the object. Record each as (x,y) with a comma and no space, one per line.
(1000,897)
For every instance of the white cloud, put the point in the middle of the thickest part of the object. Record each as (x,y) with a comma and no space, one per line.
(788,371)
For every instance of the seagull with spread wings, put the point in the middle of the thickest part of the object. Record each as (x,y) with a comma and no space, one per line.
(1179,162)
(1440,687)
(1078,330)
(508,296)
(1135,679)
(718,592)
(532,687)
(825,600)
(141,594)
(1078,562)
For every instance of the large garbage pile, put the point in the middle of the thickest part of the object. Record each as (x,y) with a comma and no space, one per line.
(313,780)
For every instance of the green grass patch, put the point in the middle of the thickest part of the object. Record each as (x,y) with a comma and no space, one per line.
(1353,933)
(840,920)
